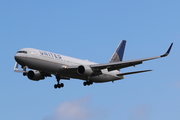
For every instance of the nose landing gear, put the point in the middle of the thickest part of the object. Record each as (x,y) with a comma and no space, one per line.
(24,70)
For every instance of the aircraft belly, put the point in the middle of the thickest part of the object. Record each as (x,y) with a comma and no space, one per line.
(49,66)
(43,65)
(104,78)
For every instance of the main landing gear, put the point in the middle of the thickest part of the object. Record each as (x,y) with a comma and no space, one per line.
(58,85)
(88,83)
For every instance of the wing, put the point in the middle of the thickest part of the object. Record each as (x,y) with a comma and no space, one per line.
(16,68)
(124,64)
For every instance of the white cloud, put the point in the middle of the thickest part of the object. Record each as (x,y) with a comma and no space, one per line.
(78,110)
(72,110)
(141,112)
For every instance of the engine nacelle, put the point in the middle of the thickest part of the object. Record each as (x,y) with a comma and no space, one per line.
(84,70)
(34,75)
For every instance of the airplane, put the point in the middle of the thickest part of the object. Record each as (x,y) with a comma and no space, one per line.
(42,64)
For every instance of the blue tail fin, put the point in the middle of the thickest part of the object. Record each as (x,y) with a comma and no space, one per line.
(118,54)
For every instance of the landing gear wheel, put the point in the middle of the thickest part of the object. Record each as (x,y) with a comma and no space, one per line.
(84,83)
(24,73)
(62,85)
(55,86)
(87,83)
(58,85)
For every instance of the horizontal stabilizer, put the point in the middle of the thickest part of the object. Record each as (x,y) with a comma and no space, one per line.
(128,73)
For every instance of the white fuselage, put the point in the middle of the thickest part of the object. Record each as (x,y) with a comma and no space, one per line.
(53,63)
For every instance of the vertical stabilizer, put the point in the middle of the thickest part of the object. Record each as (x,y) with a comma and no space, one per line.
(118,54)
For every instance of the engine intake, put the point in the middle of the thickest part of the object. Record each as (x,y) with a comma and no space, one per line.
(34,75)
(84,70)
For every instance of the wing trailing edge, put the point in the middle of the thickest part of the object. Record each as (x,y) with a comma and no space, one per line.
(135,72)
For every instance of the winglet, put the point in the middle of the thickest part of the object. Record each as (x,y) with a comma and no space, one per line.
(168,51)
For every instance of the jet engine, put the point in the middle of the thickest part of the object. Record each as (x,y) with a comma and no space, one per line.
(84,70)
(34,75)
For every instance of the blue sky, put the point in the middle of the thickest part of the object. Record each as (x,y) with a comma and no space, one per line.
(92,30)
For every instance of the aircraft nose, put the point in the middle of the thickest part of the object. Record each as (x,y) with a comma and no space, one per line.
(16,57)
(19,59)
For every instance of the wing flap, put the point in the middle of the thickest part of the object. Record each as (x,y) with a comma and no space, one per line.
(123,65)
(135,72)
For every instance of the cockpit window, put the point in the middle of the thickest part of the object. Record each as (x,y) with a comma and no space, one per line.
(22,52)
